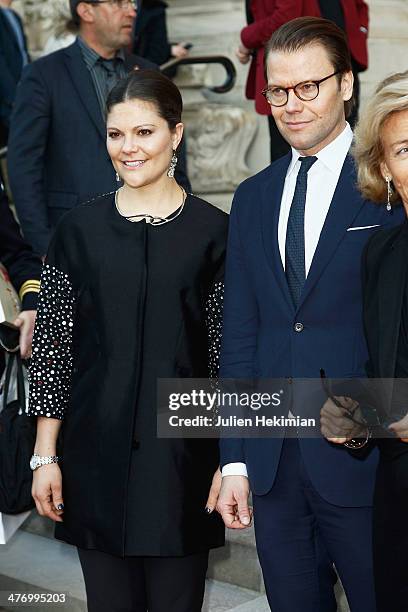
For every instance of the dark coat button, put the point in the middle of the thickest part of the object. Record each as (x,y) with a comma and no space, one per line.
(135,444)
(298,327)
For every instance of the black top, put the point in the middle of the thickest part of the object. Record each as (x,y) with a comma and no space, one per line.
(121,305)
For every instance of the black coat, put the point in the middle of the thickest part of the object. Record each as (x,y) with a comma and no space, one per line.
(385,291)
(57,154)
(384,278)
(121,305)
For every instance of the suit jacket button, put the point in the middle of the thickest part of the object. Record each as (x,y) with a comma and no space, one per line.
(135,444)
(298,327)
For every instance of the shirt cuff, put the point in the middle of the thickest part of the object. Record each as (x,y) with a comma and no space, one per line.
(234,469)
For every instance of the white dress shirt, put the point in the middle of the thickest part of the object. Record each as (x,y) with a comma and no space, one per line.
(322,180)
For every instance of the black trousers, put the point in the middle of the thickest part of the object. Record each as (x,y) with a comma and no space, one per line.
(390,538)
(141,584)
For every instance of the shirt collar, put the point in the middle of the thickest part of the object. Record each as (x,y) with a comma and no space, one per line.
(333,155)
(91,57)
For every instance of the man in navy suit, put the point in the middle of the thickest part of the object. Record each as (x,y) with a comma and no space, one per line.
(13,57)
(57,154)
(292,307)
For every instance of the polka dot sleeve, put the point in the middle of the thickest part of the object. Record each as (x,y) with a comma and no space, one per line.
(213,309)
(51,363)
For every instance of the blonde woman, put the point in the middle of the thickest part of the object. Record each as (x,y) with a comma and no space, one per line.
(381,152)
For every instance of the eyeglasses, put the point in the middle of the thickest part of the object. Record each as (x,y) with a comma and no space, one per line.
(123,5)
(305,91)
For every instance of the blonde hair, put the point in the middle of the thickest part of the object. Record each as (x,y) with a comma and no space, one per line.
(391,96)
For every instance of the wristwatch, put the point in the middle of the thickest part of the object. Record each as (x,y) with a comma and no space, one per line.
(36,461)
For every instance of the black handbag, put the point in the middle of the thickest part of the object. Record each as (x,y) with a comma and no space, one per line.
(17,439)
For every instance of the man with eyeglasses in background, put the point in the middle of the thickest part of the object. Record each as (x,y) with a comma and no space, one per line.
(292,307)
(57,154)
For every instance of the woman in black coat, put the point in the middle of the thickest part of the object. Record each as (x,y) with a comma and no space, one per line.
(129,282)
(381,152)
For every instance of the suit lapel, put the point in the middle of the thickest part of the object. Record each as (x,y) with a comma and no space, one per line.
(391,281)
(271,202)
(344,207)
(84,86)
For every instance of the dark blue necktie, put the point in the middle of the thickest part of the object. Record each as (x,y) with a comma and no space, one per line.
(295,233)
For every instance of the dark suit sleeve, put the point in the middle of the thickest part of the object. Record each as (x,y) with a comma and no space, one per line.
(240,325)
(258,33)
(7,79)
(7,89)
(23,266)
(29,129)
(158,49)
(364,278)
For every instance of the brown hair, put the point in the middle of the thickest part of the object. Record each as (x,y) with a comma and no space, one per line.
(307,31)
(149,86)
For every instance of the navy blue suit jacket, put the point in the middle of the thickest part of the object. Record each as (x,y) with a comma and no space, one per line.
(259,339)
(57,155)
(11,65)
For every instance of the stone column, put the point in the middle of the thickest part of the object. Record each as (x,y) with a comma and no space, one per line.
(387,43)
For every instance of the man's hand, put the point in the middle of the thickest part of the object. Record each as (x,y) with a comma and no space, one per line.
(179,50)
(233,502)
(400,428)
(214,492)
(243,54)
(336,423)
(25,322)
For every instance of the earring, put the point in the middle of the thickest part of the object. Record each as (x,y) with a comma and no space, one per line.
(389,192)
(173,164)
(118,179)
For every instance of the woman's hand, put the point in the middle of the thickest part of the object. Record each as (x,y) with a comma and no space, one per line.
(400,428)
(336,424)
(243,54)
(47,491)
(25,322)
(214,492)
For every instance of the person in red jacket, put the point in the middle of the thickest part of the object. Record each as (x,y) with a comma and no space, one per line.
(266,16)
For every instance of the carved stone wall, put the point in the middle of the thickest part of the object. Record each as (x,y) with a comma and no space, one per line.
(219,137)
(42,18)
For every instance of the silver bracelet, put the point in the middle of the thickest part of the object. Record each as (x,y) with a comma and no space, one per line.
(357,443)
(36,461)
